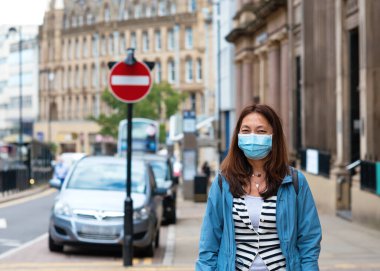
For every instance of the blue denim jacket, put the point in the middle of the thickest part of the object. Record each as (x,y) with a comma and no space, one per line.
(298,227)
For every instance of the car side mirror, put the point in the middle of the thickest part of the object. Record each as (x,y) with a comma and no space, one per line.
(55,183)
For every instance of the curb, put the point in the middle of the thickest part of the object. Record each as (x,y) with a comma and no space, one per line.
(25,193)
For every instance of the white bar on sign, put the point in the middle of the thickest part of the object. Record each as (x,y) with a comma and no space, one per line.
(3,223)
(123,80)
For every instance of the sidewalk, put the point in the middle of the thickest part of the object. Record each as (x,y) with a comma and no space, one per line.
(14,195)
(345,246)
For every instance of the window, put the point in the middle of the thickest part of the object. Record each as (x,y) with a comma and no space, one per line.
(66,23)
(133,40)
(94,111)
(162,8)
(170,39)
(104,45)
(193,101)
(77,77)
(189,38)
(137,11)
(80,20)
(107,14)
(84,107)
(85,50)
(199,69)
(85,76)
(74,21)
(104,75)
(89,18)
(94,76)
(77,49)
(65,79)
(68,114)
(191,5)
(158,72)
(77,107)
(157,35)
(123,44)
(145,41)
(171,72)
(69,50)
(111,46)
(69,78)
(189,70)
(173,8)
(94,45)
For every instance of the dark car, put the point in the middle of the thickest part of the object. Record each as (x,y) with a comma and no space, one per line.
(166,181)
(90,206)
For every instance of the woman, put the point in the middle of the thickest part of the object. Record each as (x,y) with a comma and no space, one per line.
(256,219)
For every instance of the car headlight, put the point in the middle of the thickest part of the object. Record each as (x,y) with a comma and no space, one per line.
(142,213)
(62,208)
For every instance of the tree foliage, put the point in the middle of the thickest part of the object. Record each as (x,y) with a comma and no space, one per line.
(159,104)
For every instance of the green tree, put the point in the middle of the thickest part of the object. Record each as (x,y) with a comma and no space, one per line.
(159,104)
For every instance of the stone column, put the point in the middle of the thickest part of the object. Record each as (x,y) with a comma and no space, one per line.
(274,74)
(247,86)
(239,86)
(284,89)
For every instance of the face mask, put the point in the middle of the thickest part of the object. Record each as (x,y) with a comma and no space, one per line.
(255,146)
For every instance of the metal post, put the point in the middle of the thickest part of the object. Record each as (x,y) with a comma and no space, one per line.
(128,204)
(219,87)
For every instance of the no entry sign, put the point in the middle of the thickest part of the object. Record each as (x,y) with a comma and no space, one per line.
(130,83)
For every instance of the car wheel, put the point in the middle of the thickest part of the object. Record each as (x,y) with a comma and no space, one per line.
(157,241)
(149,250)
(53,247)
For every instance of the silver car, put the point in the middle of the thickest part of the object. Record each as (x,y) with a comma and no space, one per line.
(90,206)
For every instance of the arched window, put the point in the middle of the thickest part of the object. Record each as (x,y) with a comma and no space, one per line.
(69,49)
(77,77)
(104,45)
(107,14)
(189,70)
(94,76)
(111,45)
(158,72)
(189,38)
(74,22)
(88,17)
(69,78)
(85,77)
(77,49)
(199,69)
(170,39)
(84,47)
(145,41)
(133,40)
(171,71)
(94,45)
(123,44)
(157,40)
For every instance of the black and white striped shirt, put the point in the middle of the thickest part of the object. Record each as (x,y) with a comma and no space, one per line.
(264,241)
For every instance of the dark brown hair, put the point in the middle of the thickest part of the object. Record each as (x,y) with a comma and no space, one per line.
(236,168)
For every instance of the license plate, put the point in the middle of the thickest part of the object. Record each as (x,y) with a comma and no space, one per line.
(101,230)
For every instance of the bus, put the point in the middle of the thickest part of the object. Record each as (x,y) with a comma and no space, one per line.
(145,133)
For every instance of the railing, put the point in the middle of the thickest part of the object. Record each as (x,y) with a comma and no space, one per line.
(368,177)
(14,179)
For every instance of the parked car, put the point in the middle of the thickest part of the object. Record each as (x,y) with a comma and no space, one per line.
(90,206)
(166,181)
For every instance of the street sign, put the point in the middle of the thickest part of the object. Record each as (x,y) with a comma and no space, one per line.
(130,83)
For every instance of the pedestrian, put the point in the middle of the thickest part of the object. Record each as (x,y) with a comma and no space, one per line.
(60,170)
(206,170)
(258,216)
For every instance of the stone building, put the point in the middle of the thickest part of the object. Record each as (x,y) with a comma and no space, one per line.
(79,38)
(317,63)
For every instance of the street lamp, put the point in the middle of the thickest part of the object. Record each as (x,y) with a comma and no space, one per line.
(50,79)
(20,141)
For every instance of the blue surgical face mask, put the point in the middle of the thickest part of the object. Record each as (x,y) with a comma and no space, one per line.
(255,146)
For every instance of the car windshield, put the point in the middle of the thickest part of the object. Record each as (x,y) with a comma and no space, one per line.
(103,175)
(161,172)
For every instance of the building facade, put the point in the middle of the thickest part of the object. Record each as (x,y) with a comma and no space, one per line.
(12,70)
(79,38)
(317,63)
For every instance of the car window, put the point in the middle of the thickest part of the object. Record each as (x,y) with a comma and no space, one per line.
(107,176)
(160,169)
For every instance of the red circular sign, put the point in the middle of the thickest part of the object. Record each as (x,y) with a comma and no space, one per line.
(130,83)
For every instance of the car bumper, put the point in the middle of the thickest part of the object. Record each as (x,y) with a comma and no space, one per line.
(73,231)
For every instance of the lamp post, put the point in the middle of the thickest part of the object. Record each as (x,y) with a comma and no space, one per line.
(20,140)
(50,79)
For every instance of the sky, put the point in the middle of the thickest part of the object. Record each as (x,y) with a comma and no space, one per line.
(22,12)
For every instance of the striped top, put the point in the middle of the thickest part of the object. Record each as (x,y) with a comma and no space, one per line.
(263,241)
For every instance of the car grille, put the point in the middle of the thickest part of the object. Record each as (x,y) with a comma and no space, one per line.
(99,215)
(99,232)
(95,236)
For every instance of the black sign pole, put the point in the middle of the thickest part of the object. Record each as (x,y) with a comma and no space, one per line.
(128,204)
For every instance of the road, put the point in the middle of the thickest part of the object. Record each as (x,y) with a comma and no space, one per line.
(24,220)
